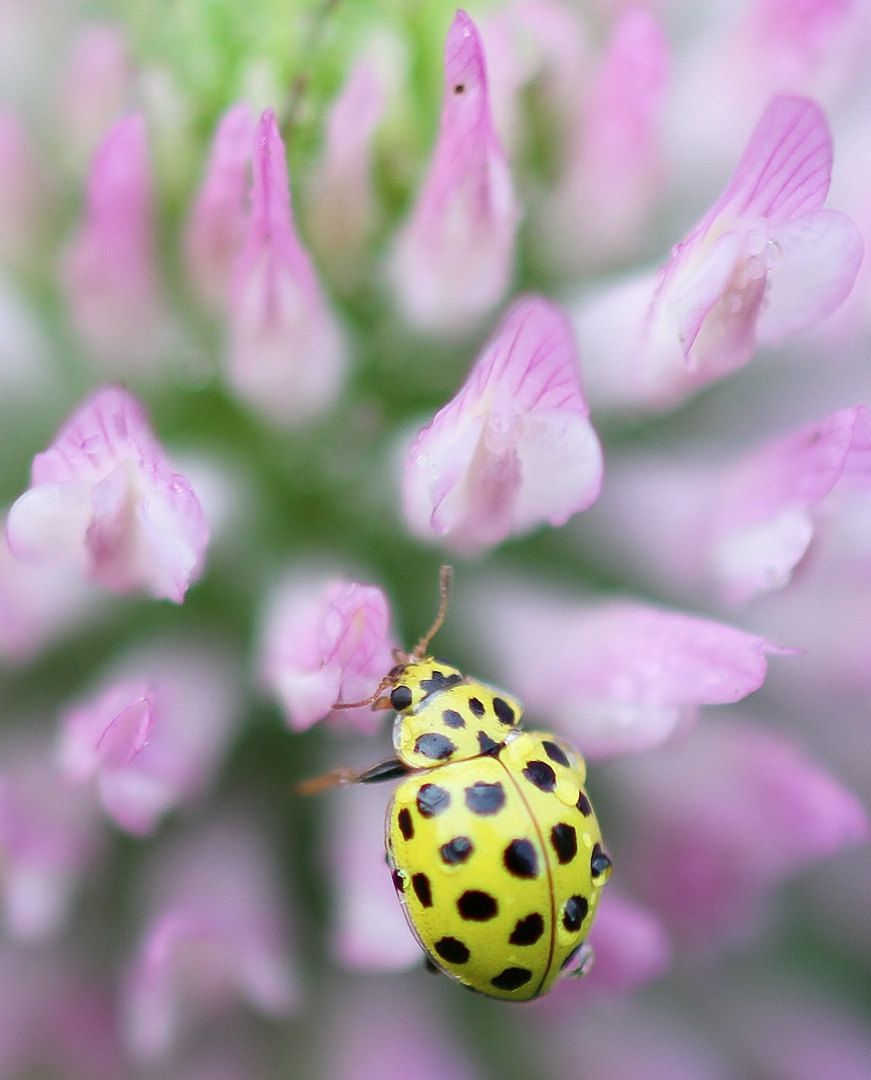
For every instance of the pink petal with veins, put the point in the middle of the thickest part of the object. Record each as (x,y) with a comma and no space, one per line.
(515,447)
(104,498)
(326,642)
(287,353)
(454,258)
(765,261)
(616,677)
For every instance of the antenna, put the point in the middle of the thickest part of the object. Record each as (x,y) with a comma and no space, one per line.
(446,574)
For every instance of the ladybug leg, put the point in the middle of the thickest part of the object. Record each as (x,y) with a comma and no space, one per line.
(386,770)
(430,966)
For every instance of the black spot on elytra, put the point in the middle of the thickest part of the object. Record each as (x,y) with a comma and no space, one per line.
(520,859)
(485,799)
(400,697)
(477,706)
(600,861)
(565,842)
(541,774)
(452,719)
(423,890)
(512,978)
(477,906)
(574,912)
(398,881)
(555,753)
(528,930)
(504,712)
(432,800)
(452,950)
(439,681)
(456,851)
(583,804)
(434,746)
(488,745)
(406,825)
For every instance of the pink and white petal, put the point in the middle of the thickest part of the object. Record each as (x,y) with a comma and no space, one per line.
(219,218)
(615,171)
(514,448)
(616,677)
(745,808)
(144,527)
(454,258)
(49,523)
(96,86)
(110,272)
(287,353)
(762,521)
(369,930)
(610,326)
(217,935)
(814,266)
(325,640)
(50,837)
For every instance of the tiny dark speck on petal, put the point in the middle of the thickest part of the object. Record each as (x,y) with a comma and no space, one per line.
(459,88)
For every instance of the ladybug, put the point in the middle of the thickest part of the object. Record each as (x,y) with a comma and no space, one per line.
(494,847)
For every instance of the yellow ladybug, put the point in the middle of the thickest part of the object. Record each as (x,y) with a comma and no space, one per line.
(495,850)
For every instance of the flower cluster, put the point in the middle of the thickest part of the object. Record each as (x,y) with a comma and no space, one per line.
(295,303)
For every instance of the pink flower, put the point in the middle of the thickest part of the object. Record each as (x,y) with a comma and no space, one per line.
(766,261)
(721,819)
(56,1021)
(40,602)
(614,677)
(742,528)
(369,929)
(104,498)
(614,172)
(49,839)
(216,936)
(96,86)
(454,258)
(325,642)
(342,212)
(153,734)
(110,272)
(287,353)
(219,218)
(380,1029)
(515,447)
